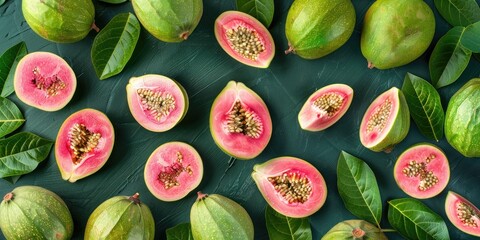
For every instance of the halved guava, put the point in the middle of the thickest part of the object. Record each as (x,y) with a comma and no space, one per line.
(45,81)
(422,171)
(354,229)
(463,214)
(245,39)
(173,170)
(156,102)
(240,122)
(325,107)
(291,186)
(84,143)
(386,121)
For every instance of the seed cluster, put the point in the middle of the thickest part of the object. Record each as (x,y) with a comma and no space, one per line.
(168,176)
(419,169)
(245,41)
(159,104)
(467,214)
(329,103)
(379,118)
(51,85)
(293,187)
(240,120)
(82,141)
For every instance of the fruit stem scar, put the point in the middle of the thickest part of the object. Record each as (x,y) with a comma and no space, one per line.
(95,28)
(358,233)
(8,197)
(135,198)
(290,49)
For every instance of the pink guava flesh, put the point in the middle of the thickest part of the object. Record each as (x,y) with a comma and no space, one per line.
(45,81)
(287,166)
(71,168)
(336,98)
(239,145)
(413,167)
(173,170)
(463,214)
(163,114)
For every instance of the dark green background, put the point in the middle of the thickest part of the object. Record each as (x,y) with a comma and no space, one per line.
(203,68)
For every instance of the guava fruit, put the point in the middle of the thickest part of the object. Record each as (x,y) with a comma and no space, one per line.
(121,217)
(422,171)
(240,122)
(463,214)
(84,143)
(354,230)
(325,107)
(157,103)
(317,28)
(60,21)
(173,170)
(217,217)
(291,186)
(245,39)
(396,32)
(45,81)
(462,121)
(32,212)
(386,121)
(169,20)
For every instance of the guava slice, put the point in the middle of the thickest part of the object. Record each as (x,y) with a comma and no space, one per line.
(386,121)
(325,107)
(422,171)
(291,186)
(240,122)
(245,39)
(45,81)
(463,214)
(173,170)
(157,103)
(84,143)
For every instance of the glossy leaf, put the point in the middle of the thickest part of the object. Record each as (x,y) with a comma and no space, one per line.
(449,58)
(259,9)
(8,64)
(414,220)
(459,12)
(282,227)
(182,231)
(471,37)
(425,106)
(113,1)
(358,188)
(10,117)
(114,45)
(21,153)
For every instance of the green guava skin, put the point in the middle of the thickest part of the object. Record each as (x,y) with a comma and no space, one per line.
(462,119)
(354,229)
(61,21)
(396,32)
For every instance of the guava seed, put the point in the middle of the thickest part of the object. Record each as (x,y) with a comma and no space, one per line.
(241,120)
(159,104)
(245,41)
(329,103)
(168,176)
(50,85)
(419,169)
(293,187)
(82,141)
(379,118)
(467,214)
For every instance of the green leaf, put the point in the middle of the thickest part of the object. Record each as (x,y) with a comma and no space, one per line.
(21,153)
(259,9)
(414,220)
(358,188)
(8,64)
(10,117)
(425,106)
(114,45)
(449,58)
(113,1)
(459,12)
(471,39)
(180,232)
(282,227)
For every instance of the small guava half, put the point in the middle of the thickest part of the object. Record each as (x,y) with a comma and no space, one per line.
(463,214)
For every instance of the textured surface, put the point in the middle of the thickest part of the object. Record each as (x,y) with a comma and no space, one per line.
(204,69)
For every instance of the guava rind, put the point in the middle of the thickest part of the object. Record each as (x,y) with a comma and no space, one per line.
(343,230)
(450,210)
(317,28)
(280,165)
(313,119)
(462,121)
